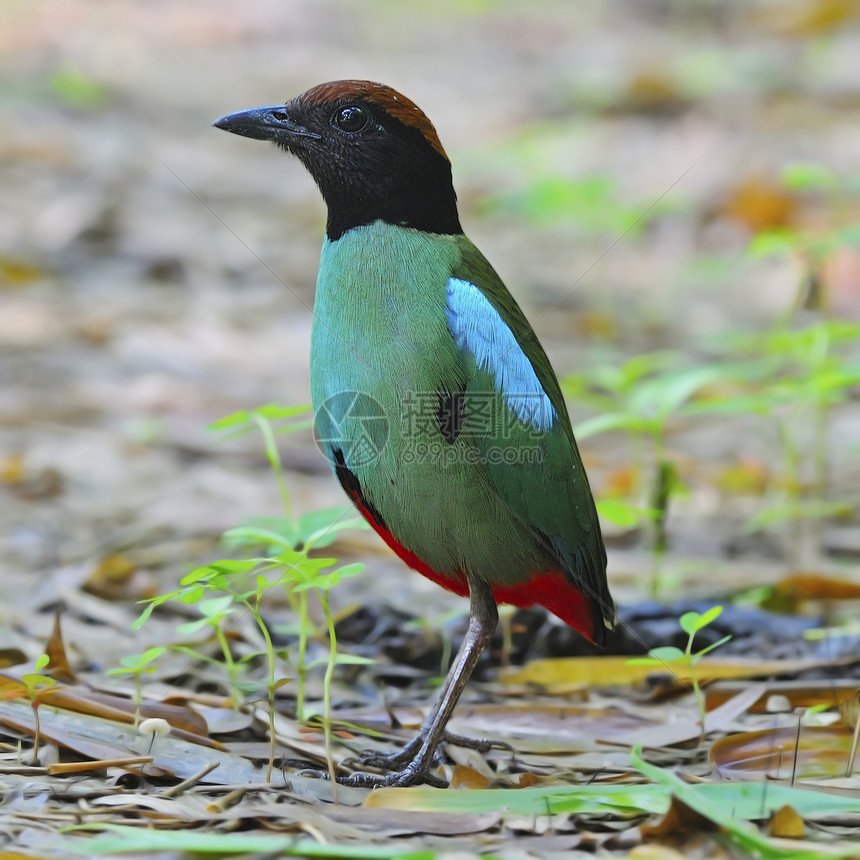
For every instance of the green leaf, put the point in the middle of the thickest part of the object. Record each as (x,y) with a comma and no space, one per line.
(214,608)
(289,558)
(224,567)
(728,804)
(692,621)
(663,395)
(122,839)
(33,680)
(77,89)
(198,624)
(193,595)
(689,622)
(275,412)
(232,421)
(658,656)
(320,528)
(623,514)
(255,535)
(352,569)
(773,243)
(153,602)
(42,661)
(608,422)
(801,176)
(796,510)
(137,662)
(713,646)
(666,654)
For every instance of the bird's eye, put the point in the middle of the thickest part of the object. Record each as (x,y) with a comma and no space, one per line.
(350,119)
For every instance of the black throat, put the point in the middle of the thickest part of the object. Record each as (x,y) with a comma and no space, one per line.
(398,179)
(411,204)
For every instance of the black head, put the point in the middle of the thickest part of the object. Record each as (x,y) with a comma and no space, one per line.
(373,153)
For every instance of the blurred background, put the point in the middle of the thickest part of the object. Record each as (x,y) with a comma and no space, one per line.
(668,179)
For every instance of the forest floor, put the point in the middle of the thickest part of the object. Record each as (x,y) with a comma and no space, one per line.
(671,192)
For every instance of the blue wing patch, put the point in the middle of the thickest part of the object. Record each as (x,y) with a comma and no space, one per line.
(478,329)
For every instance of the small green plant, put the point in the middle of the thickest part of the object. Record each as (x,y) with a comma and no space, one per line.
(270,420)
(214,611)
(33,685)
(137,665)
(317,528)
(792,378)
(812,246)
(287,564)
(691,623)
(293,570)
(642,397)
(77,90)
(286,542)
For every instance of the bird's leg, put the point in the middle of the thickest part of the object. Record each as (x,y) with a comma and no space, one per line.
(391,761)
(420,752)
(394,760)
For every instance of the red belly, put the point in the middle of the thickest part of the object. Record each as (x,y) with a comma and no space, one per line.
(549,588)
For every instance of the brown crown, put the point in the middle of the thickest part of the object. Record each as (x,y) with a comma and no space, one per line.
(378,95)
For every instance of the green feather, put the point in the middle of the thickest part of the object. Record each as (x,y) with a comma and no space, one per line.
(381,328)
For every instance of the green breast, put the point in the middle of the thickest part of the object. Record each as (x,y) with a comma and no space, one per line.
(381,353)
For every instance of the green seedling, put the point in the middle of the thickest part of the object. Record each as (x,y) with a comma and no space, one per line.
(322,585)
(76,90)
(269,420)
(318,528)
(642,397)
(286,564)
(136,665)
(811,247)
(214,611)
(291,569)
(311,531)
(228,576)
(691,623)
(793,378)
(32,686)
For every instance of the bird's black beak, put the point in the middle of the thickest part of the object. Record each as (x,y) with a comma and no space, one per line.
(264,123)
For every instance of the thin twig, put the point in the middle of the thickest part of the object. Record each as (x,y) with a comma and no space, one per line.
(177,789)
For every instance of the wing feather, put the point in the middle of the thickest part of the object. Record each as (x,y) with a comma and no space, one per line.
(527,446)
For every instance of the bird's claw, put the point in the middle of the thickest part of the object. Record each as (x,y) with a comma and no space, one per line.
(402,779)
(405,765)
(481,745)
(402,757)
(408,776)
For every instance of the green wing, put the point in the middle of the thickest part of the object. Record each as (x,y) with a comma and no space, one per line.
(515,413)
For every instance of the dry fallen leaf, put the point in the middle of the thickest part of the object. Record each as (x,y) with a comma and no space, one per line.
(818,752)
(670,733)
(786,823)
(759,204)
(58,667)
(567,674)
(464,777)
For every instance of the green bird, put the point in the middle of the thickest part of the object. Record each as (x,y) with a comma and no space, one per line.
(435,403)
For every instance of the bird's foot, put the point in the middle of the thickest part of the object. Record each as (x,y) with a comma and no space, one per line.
(412,774)
(401,758)
(408,766)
